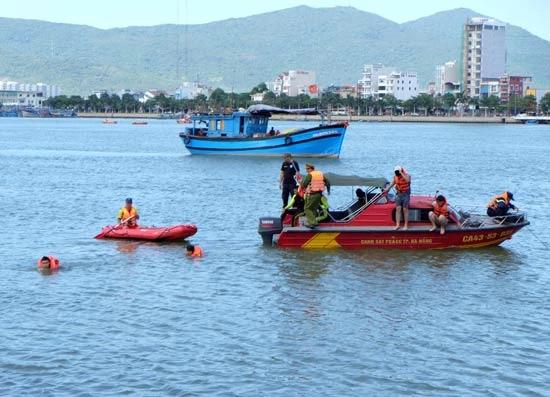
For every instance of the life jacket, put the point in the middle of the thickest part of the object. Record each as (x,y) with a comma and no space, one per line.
(317,184)
(499,201)
(441,209)
(401,183)
(54,263)
(126,214)
(197,251)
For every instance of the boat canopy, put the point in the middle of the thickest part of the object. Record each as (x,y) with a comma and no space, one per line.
(265,109)
(353,180)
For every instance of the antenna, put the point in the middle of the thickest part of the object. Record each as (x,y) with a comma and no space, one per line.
(178,60)
(186,59)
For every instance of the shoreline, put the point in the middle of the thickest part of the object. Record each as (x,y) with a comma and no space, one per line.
(316,118)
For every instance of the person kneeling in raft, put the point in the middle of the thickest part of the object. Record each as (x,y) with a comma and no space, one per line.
(48,262)
(194,250)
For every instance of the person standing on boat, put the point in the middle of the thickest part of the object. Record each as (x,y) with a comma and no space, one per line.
(440,215)
(128,215)
(500,205)
(315,184)
(402,183)
(290,173)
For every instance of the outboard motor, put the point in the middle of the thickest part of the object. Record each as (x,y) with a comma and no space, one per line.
(268,227)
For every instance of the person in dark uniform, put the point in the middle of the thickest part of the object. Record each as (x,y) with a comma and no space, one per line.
(290,174)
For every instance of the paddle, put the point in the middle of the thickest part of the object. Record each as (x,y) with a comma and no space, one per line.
(103,234)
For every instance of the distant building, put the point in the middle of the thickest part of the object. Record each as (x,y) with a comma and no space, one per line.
(484,56)
(190,90)
(369,81)
(379,80)
(512,85)
(447,78)
(25,94)
(294,83)
(345,91)
(257,97)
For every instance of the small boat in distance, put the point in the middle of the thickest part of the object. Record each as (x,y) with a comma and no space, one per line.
(107,121)
(140,122)
(245,133)
(168,233)
(369,221)
(184,120)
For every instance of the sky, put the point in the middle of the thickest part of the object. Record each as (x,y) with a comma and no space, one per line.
(106,14)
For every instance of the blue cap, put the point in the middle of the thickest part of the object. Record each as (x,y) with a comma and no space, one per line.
(129,200)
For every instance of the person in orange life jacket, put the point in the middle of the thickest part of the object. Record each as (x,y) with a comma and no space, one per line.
(315,184)
(295,206)
(402,182)
(500,205)
(193,250)
(126,212)
(290,173)
(48,262)
(440,215)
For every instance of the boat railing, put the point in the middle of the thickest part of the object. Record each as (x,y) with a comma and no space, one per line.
(351,210)
(474,217)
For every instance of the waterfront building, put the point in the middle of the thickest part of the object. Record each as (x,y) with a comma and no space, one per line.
(512,85)
(484,56)
(294,83)
(26,94)
(447,78)
(379,80)
(369,80)
(345,91)
(190,90)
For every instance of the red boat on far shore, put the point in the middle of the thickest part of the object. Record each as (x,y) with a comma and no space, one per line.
(140,122)
(370,222)
(107,121)
(168,233)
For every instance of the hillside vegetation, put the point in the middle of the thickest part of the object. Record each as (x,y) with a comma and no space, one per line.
(240,53)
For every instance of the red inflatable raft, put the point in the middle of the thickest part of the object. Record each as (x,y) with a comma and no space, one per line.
(169,233)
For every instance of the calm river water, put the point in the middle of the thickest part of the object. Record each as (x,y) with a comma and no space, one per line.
(126,318)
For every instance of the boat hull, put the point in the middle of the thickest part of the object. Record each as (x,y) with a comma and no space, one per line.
(385,237)
(169,233)
(322,141)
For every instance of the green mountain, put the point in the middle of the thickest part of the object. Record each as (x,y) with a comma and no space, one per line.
(240,53)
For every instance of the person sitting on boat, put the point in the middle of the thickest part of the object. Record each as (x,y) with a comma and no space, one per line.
(315,184)
(194,251)
(361,195)
(295,206)
(48,262)
(402,183)
(128,215)
(271,132)
(440,214)
(500,205)
(290,173)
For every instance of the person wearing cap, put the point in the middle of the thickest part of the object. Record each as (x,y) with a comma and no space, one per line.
(290,173)
(500,205)
(440,214)
(402,183)
(315,184)
(128,215)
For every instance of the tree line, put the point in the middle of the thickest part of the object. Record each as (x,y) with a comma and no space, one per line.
(220,101)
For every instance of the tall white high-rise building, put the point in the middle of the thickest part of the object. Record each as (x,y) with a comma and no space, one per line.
(484,54)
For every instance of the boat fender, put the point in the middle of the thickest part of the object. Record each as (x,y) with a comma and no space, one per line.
(54,262)
(186,140)
(288,140)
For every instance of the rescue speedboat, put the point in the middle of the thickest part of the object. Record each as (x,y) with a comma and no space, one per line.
(169,233)
(370,222)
